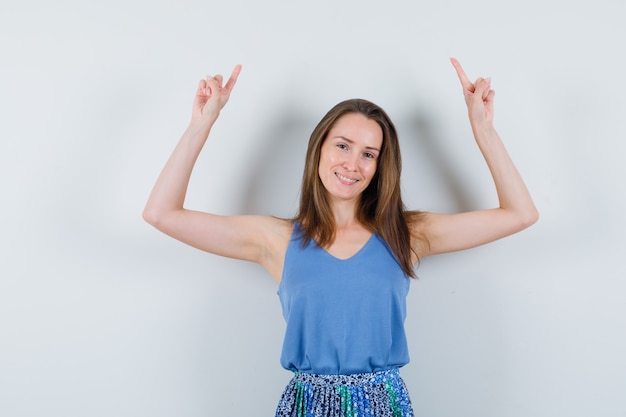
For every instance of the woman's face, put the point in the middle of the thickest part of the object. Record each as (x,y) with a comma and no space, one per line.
(349,156)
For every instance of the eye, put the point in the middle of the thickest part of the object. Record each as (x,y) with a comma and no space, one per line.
(369,155)
(342,146)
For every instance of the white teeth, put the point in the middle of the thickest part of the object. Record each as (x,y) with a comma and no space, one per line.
(345,179)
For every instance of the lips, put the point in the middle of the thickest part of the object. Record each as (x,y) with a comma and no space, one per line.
(345,180)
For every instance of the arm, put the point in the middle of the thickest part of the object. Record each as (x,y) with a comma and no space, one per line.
(516,211)
(241,237)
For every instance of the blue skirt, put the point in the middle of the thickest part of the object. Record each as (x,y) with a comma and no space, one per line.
(375,394)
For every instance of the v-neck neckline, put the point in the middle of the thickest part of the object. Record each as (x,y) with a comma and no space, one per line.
(355,254)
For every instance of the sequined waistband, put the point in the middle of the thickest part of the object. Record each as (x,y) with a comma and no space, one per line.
(369,378)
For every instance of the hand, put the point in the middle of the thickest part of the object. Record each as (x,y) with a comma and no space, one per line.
(211,96)
(478,96)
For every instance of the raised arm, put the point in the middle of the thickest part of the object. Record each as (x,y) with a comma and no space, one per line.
(516,211)
(242,237)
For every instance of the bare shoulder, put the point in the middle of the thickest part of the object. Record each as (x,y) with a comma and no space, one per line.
(272,233)
(278,230)
(418,221)
(277,237)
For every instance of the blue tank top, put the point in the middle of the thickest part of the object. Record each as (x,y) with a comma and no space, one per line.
(343,316)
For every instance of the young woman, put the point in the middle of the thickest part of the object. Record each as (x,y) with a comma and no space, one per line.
(343,263)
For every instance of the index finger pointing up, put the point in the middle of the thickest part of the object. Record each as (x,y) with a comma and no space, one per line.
(233,78)
(465,82)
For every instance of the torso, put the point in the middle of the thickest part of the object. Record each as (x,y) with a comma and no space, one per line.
(343,315)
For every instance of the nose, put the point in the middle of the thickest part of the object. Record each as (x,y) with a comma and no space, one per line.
(351,162)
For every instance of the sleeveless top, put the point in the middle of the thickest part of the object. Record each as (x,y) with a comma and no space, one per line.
(343,316)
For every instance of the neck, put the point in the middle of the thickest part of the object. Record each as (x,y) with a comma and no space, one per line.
(345,214)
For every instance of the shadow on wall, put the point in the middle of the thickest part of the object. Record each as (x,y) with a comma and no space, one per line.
(428,167)
(277,167)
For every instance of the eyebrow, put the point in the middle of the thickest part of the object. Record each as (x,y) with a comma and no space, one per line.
(351,141)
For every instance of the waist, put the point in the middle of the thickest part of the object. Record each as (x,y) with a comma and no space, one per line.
(361,379)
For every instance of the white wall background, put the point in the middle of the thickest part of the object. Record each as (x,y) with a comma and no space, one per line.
(100,315)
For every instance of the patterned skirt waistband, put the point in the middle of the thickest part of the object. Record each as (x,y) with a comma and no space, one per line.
(369,378)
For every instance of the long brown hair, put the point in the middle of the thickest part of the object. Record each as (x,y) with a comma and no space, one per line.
(381,209)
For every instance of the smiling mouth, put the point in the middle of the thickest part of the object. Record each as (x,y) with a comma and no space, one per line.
(345,179)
